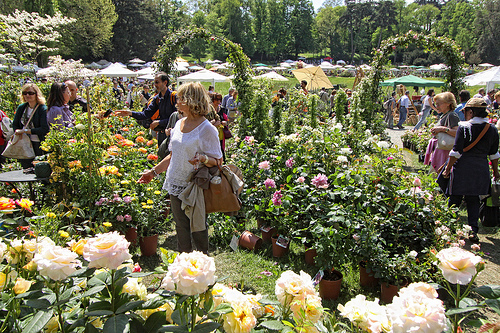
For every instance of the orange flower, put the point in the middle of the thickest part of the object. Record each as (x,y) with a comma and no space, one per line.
(25,204)
(140,139)
(119,137)
(152,157)
(125,129)
(126,143)
(75,164)
(150,143)
(143,150)
(140,133)
(113,150)
(13,191)
(6,204)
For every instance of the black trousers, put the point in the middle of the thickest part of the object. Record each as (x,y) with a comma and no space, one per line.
(472,202)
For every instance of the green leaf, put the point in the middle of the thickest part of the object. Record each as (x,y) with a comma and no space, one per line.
(102,305)
(139,275)
(494,304)
(94,290)
(154,322)
(90,329)
(462,310)
(224,308)
(206,327)
(38,321)
(116,324)
(83,272)
(38,303)
(129,306)
(176,317)
(99,313)
(173,328)
(467,302)
(274,325)
(488,291)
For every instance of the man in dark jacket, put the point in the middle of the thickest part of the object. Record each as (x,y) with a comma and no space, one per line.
(159,108)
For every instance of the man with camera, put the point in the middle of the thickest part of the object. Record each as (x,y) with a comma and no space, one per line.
(158,109)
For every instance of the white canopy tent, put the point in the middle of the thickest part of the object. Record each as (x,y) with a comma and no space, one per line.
(486,65)
(116,70)
(271,76)
(145,71)
(438,67)
(489,78)
(204,75)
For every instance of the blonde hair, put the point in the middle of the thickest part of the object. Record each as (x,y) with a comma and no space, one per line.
(39,96)
(497,94)
(447,97)
(196,97)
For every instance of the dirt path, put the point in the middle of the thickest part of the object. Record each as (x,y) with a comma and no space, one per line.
(490,244)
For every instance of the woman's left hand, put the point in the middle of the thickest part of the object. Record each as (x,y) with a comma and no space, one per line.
(20,132)
(446,173)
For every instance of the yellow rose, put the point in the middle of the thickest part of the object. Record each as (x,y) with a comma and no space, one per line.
(63,234)
(157,192)
(150,202)
(51,215)
(107,224)
(52,326)
(21,286)
(31,266)
(77,247)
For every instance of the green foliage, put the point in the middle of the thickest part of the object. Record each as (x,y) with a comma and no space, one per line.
(259,110)
(340,106)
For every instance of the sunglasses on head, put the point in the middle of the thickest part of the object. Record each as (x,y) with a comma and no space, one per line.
(31,93)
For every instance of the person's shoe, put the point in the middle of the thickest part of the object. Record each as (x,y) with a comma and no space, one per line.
(400,127)
(474,239)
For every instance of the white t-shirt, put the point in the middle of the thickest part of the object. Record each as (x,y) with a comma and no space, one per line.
(427,102)
(204,139)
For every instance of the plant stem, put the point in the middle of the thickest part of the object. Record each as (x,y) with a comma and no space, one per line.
(193,313)
(59,311)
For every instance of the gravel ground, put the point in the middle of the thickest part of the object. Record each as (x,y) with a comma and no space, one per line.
(490,245)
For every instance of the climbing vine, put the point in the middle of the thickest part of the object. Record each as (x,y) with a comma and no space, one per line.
(369,88)
(172,46)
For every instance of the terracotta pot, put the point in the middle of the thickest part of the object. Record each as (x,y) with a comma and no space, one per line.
(278,250)
(131,235)
(267,233)
(250,241)
(309,256)
(260,222)
(148,245)
(387,292)
(366,279)
(329,286)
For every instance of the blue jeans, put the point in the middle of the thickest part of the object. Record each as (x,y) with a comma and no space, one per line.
(402,116)
(423,119)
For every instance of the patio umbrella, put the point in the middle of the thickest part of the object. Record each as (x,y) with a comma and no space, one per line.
(260,65)
(216,61)
(314,76)
(272,76)
(136,61)
(116,70)
(485,65)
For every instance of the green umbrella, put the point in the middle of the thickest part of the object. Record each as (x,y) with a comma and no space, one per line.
(411,81)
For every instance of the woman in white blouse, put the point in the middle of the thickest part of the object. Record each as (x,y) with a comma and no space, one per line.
(193,140)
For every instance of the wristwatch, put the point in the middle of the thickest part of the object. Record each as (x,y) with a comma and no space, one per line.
(447,130)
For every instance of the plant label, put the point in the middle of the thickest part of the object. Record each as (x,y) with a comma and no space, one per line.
(282,241)
(234,243)
(318,277)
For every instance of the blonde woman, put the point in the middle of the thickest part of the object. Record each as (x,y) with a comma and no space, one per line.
(448,123)
(193,140)
(32,99)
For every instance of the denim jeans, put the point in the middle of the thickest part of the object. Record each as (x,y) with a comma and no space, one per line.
(402,116)
(423,119)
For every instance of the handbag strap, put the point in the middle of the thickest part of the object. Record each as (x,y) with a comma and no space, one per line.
(483,132)
(31,117)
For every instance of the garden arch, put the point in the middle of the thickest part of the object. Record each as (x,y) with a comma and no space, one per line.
(173,44)
(369,90)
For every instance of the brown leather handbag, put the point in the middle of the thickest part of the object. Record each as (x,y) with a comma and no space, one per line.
(221,196)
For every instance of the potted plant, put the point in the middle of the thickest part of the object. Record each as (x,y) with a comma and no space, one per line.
(150,223)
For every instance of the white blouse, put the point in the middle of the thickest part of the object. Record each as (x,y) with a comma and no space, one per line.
(204,139)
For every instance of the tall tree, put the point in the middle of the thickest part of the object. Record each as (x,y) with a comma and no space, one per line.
(90,36)
(278,28)
(135,33)
(301,21)
(487,26)
(426,17)
(198,45)
(329,31)
(384,18)
(357,18)
(170,15)
(260,25)
(235,22)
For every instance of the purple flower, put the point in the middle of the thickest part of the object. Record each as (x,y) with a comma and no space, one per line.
(101,202)
(128,218)
(277,198)
(289,162)
(127,199)
(320,181)
(390,158)
(269,183)
(120,218)
(266,273)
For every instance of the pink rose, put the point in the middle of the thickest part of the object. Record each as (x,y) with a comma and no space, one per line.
(320,181)
(289,162)
(277,198)
(301,180)
(264,165)
(269,183)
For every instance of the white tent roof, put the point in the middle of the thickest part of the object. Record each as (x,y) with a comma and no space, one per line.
(146,77)
(349,66)
(271,76)
(488,77)
(196,68)
(145,70)
(326,65)
(204,75)
(116,70)
(438,67)
(485,65)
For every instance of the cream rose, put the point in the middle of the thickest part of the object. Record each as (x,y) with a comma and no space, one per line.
(134,287)
(310,306)
(457,265)
(107,250)
(56,262)
(291,285)
(414,311)
(367,315)
(241,320)
(190,273)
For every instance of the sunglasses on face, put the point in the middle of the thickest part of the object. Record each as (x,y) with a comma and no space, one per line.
(31,93)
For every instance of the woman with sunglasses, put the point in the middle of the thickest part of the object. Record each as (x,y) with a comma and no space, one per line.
(59,114)
(33,101)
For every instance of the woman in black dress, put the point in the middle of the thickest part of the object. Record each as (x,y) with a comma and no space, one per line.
(468,171)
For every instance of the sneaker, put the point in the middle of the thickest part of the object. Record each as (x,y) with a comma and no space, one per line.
(474,239)
(400,127)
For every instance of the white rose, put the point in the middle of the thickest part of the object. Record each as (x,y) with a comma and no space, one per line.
(107,250)
(80,126)
(3,250)
(191,273)
(291,285)
(56,262)
(457,265)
